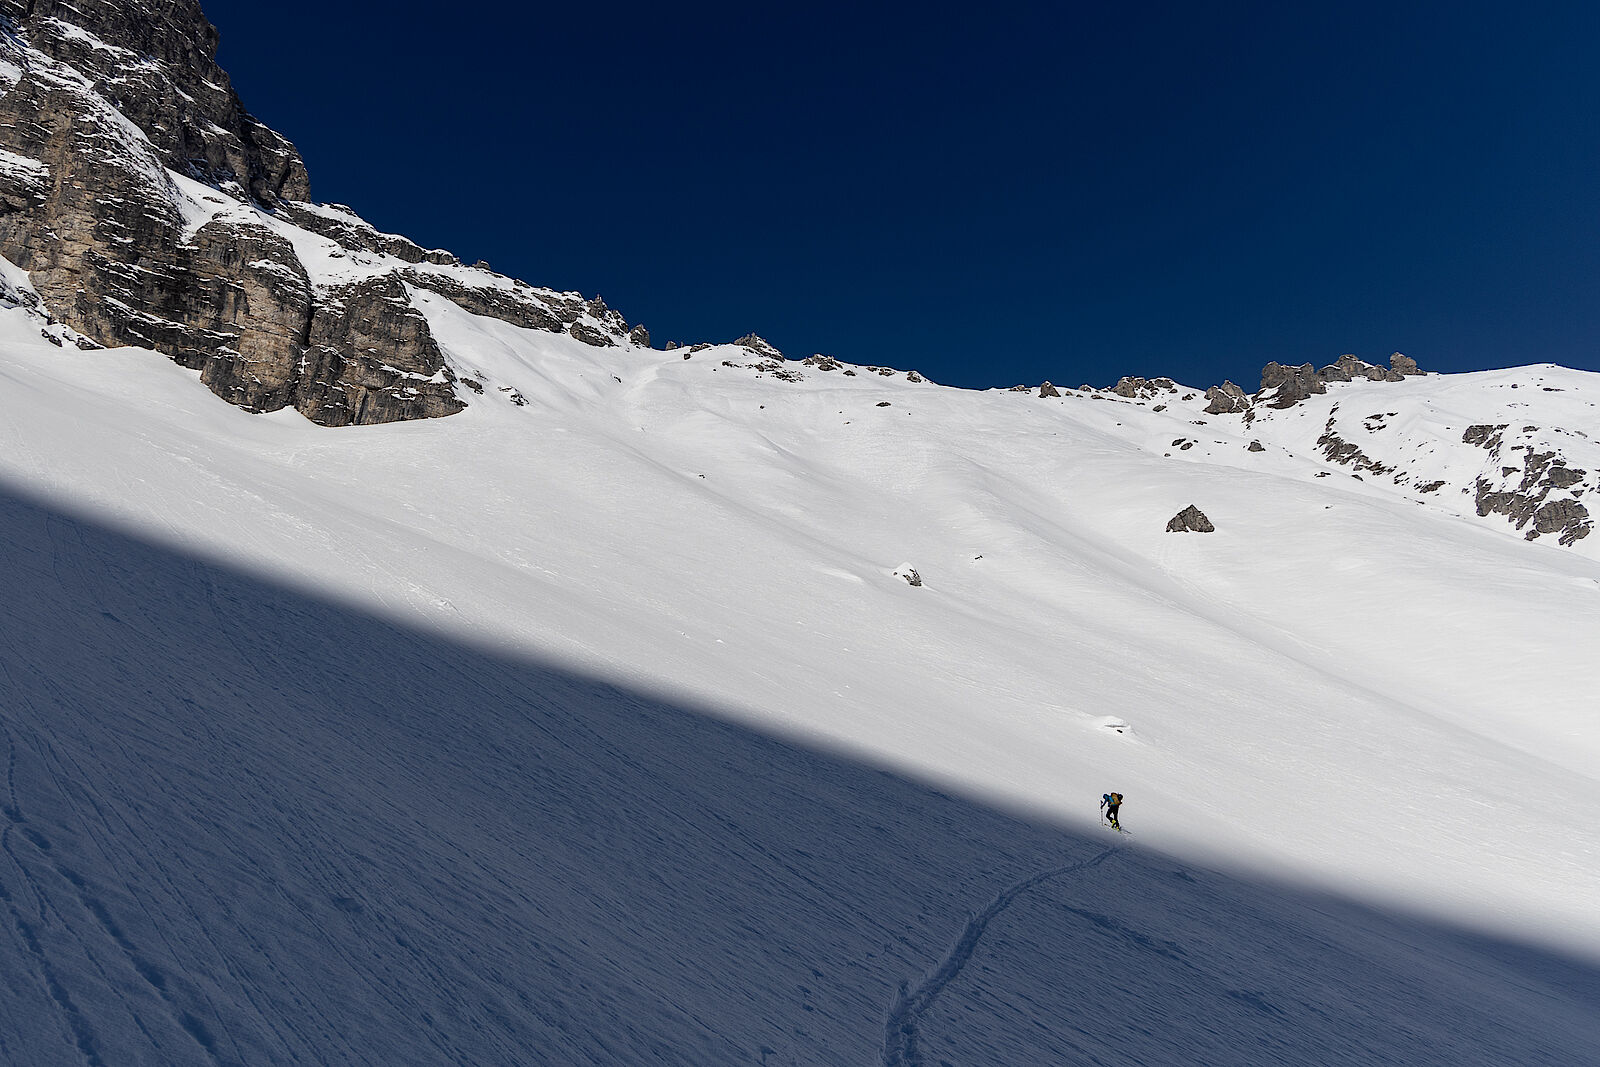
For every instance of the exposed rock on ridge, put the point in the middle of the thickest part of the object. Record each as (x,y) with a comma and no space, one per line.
(106,106)
(1285,386)
(1539,496)
(155,61)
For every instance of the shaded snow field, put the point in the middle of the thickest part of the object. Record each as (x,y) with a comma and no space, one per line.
(599,729)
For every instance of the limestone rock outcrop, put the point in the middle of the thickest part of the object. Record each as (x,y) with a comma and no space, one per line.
(150,208)
(1284,386)
(1144,388)
(1539,496)
(1289,385)
(1225,398)
(156,59)
(759,346)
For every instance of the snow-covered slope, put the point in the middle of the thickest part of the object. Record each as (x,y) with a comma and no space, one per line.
(592,724)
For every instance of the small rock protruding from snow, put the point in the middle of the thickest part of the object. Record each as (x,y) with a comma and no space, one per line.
(1190,520)
(909,573)
(1047,390)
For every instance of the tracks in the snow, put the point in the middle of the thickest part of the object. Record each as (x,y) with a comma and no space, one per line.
(912,999)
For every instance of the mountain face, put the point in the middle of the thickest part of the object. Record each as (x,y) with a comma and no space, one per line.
(702,706)
(150,209)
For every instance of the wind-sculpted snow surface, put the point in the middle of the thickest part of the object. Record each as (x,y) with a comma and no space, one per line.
(912,1000)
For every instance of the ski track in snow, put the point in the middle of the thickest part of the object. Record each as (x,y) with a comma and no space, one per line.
(900,1031)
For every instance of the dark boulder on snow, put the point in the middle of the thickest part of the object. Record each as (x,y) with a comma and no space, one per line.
(1048,390)
(1190,520)
(582,331)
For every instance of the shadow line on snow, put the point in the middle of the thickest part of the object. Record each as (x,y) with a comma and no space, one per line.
(246,825)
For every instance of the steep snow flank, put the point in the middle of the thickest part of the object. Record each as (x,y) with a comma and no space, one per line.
(1379,687)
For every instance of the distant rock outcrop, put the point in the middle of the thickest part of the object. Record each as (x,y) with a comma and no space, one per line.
(1144,388)
(1403,365)
(1540,496)
(1190,520)
(1348,368)
(1284,386)
(1226,398)
(760,346)
(1289,385)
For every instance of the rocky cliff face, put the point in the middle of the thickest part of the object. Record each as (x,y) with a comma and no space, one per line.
(150,208)
(154,61)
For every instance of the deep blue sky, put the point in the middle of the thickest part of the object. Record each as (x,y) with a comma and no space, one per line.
(1057,192)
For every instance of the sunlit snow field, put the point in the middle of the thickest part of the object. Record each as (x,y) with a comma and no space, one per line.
(600,729)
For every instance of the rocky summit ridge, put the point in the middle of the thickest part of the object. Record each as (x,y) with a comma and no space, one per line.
(150,208)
